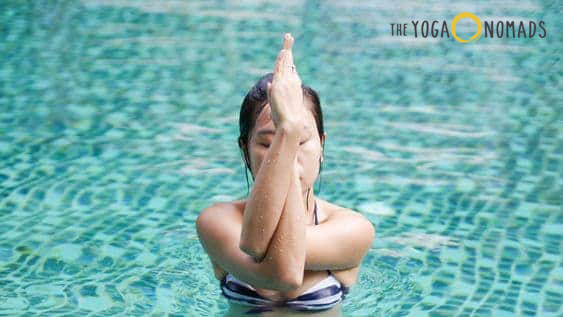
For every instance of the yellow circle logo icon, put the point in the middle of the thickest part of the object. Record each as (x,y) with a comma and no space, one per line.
(475,19)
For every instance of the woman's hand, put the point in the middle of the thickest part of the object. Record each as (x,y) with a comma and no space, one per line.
(285,94)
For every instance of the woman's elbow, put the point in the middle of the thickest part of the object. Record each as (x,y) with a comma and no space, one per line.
(256,254)
(292,275)
(290,282)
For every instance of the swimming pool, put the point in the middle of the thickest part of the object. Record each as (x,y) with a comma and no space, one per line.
(119,120)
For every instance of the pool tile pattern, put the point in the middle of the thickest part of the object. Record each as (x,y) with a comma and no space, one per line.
(118,125)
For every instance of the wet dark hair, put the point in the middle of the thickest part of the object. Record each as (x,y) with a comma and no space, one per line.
(253,104)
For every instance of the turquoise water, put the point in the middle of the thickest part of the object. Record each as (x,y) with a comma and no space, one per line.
(118,125)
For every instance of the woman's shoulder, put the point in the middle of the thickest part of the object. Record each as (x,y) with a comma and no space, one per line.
(331,210)
(225,209)
(217,216)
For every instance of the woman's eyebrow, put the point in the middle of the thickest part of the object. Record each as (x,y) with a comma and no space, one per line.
(266,131)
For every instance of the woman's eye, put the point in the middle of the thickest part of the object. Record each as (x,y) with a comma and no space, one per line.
(266,145)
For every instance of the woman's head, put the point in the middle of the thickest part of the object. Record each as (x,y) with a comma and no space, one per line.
(255,119)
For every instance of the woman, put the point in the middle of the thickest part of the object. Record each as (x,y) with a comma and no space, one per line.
(283,248)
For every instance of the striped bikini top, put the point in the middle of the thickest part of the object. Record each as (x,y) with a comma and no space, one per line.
(324,295)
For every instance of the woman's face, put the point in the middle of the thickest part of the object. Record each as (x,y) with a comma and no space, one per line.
(308,153)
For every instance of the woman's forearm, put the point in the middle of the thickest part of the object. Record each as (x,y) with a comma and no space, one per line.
(264,205)
(287,247)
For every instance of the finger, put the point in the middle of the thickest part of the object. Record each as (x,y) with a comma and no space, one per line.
(291,51)
(292,40)
(287,41)
(284,64)
(279,63)
(289,59)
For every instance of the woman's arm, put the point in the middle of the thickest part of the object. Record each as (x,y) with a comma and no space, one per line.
(339,243)
(288,246)
(264,206)
(218,228)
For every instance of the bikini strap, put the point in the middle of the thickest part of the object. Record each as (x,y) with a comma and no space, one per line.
(315,211)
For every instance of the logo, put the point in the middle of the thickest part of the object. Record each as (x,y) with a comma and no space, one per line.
(490,29)
(472,17)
